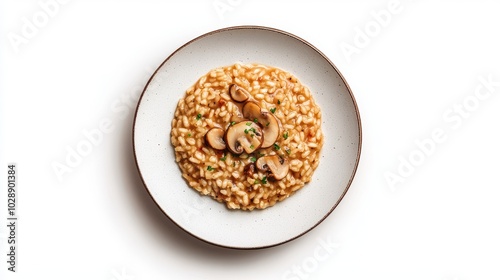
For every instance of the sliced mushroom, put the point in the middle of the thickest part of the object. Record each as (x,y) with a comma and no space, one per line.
(214,138)
(267,120)
(276,165)
(245,136)
(238,93)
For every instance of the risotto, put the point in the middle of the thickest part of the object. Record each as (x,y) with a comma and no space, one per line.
(248,135)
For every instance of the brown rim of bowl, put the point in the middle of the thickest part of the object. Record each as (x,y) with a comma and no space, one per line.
(240,27)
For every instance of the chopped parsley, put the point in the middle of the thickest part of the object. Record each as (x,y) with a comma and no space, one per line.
(223,158)
(249,123)
(232,123)
(264,180)
(285,135)
(267,124)
(276,146)
(253,159)
(246,131)
(288,151)
(256,182)
(198,117)
(279,102)
(255,120)
(189,134)
(210,168)
(252,146)
(272,110)
(261,154)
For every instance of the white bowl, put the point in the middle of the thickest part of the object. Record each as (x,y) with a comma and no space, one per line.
(206,218)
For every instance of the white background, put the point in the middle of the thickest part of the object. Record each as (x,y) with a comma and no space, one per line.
(85,62)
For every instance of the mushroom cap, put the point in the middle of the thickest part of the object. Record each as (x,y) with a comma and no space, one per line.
(275,164)
(245,136)
(266,119)
(214,138)
(238,93)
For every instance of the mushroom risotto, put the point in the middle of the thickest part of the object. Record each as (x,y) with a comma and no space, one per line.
(248,135)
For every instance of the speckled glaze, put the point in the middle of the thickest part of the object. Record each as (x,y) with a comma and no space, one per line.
(202,216)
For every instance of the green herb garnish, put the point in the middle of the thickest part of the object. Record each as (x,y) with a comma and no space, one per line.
(276,146)
(198,117)
(272,110)
(264,180)
(279,102)
(210,168)
(249,123)
(232,123)
(253,159)
(285,135)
